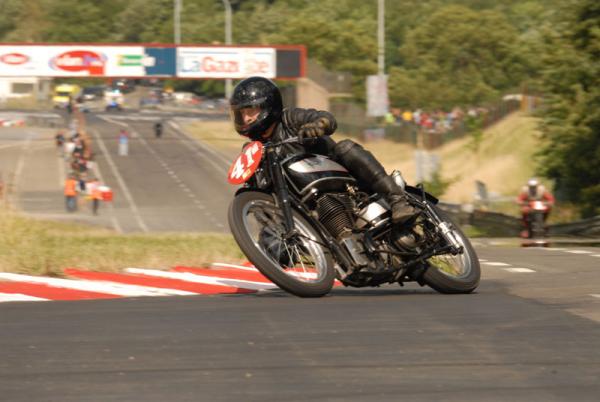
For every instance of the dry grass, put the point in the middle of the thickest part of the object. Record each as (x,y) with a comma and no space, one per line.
(39,247)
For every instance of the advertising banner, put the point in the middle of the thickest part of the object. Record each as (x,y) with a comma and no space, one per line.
(225,62)
(86,61)
(98,60)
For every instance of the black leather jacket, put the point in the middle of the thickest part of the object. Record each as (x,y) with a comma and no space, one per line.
(293,119)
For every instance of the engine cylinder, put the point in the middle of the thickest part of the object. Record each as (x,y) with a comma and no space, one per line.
(335,213)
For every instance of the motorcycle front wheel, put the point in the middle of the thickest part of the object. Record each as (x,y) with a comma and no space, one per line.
(301,266)
(449,273)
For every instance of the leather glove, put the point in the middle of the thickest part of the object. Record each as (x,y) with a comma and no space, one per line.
(313,129)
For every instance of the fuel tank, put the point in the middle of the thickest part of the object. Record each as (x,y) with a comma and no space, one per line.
(316,171)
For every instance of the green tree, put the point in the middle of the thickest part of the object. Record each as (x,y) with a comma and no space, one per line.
(455,58)
(80,20)
(571,116)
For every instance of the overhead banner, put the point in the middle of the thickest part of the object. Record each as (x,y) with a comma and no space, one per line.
(228,62)
(76,61)
(97,60)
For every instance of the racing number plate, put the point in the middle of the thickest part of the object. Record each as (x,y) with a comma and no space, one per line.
(246,163)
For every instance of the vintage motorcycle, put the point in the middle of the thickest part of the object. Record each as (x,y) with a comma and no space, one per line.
(303,222)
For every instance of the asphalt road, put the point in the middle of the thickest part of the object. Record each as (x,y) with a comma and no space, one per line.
(531,332)
(171,184)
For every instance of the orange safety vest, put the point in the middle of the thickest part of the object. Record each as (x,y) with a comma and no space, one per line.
(71,187)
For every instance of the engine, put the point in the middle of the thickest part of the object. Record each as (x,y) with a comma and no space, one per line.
(335,212)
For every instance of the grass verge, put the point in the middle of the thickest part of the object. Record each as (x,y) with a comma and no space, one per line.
(36,247)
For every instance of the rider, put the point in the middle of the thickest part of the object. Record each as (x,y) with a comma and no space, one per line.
(158,129)
(534,191)
(257,111)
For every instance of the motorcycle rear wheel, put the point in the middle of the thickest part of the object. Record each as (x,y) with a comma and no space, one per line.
(304,269)
(454,274)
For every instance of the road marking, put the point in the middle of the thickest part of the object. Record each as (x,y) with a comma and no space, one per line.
(211,152)
(578,251)
(518,270)
(10,297)
(21,162)
(595,295)
(482,260)
(95,286)
(224,265)
(186,276)
(110,206)
(595,255)
(126,193)
(496,264)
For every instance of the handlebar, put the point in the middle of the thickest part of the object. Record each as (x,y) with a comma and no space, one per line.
(292,140)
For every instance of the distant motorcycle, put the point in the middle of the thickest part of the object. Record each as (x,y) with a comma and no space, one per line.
(303,222)
(113,105)
(535,222)
(158,129)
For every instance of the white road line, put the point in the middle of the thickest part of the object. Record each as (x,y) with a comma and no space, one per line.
(96,286)
(126,193)
(595,255)
(110,206)
(21,160)
(496,264)
(11,297)
(482,260)
(595,295)
(578,251)
(520,270)
(224,265)
(225,163)
(210,280)
(62,174)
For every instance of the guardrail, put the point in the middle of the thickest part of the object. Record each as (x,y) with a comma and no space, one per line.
(488,223)
(497,224)
(585,227)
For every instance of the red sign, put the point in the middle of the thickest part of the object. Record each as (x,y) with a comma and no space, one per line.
(14,58)
(246,164)
(80,60)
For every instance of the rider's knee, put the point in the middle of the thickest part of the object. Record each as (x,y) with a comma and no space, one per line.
(342,148)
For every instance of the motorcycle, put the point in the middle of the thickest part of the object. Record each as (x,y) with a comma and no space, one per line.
(113,105)
(534,220)
(303,222)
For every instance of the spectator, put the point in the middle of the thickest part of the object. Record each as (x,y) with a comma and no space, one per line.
(93,189)
(70,192)
(123,142)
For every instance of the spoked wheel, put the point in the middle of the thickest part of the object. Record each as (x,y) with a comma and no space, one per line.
(449,273)
(299,265)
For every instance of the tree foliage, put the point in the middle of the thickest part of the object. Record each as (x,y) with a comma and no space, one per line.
(571,117)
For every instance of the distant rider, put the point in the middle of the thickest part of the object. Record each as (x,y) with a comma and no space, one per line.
(257,112)
(533,191)
(158,127)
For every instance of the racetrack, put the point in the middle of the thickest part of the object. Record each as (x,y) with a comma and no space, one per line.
(530,333)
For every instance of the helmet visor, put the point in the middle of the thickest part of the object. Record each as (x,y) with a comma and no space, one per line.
(244,117)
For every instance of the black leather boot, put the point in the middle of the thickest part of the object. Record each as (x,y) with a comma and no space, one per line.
(402,211)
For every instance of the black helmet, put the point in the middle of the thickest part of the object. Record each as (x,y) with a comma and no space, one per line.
(255,92)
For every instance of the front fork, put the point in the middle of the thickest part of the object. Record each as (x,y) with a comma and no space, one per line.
(281,192)
(445,230)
